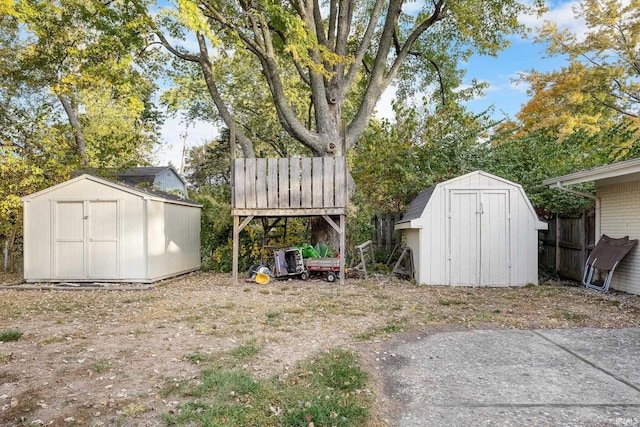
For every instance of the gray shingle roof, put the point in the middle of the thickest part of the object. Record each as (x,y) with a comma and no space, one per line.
(417,205)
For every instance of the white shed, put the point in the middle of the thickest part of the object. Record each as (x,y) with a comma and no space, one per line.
(93,229)
(474,230)
(617,201)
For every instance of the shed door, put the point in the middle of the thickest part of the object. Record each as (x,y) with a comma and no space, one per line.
(69,242)
(102,245)
(86,240)
(478,237)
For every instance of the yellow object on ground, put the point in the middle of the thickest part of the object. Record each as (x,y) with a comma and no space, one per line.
(262,279)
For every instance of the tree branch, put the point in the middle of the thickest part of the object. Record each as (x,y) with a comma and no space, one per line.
(353,70)
(207,72)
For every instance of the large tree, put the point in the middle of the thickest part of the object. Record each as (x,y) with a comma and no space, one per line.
(601,84)
(84,58)
(336,49)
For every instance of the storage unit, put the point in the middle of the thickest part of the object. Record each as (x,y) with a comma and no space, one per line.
(93,229)
(474,230)
(617,200)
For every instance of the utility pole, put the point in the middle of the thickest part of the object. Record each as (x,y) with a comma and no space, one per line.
(184,152)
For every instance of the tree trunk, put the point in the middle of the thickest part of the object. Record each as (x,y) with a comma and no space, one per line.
(9,252)
(72,115)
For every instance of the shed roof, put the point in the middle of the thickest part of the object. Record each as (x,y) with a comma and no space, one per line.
(145,192)
(622,171)
(417,205)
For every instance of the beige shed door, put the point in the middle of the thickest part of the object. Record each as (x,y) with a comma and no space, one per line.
(86,240)
(479,237)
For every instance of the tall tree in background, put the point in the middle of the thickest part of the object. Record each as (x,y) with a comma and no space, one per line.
(346,47)
(85,55)
(601,84)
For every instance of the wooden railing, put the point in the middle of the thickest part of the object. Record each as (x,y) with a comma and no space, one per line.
(289,186)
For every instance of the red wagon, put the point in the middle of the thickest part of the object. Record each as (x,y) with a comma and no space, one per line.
(330,267)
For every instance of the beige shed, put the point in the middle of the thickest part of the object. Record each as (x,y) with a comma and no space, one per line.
(93,229)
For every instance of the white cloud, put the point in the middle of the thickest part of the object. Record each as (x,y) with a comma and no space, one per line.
(562,14)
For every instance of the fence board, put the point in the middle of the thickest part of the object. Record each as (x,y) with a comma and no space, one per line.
(327,182)
(272,182)
(306,183)
(250,182)
(261,184)
(294,183)
(238,179)
(283,183)
(341,182)
(316,184)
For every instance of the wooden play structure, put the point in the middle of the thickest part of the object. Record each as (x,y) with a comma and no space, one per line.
(289,187)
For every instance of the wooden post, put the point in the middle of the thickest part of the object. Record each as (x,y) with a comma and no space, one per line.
(557,243)
(237,228)
(236,233)
(343,247)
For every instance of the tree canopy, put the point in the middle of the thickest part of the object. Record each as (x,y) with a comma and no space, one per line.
(601,84)
(342,55)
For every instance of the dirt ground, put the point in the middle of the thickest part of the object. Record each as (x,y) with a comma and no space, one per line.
(106,356)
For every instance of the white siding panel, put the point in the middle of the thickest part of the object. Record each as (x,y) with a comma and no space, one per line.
(524,238)
(155,239)
(619,217)
(433,240)
(174,239)
(183,238)
(133,259)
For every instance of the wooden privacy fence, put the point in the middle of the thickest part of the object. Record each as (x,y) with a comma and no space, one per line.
(567,243)
(384,237)
(294,186)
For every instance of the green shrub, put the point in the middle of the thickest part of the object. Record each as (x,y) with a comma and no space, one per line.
(10,335)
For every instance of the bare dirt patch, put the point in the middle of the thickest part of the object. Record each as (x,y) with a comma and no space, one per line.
(111,357)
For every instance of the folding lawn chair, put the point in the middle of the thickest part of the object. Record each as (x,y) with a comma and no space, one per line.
(603,260)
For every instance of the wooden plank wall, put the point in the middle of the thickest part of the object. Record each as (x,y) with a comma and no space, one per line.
(567,243)
(290,183)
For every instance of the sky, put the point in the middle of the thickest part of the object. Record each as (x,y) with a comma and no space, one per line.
(503,93)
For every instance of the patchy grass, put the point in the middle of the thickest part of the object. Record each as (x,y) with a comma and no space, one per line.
(379,331)
(244,351)
(101,366)
(574,317)
(273,318)
(327,390)
(10,335)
